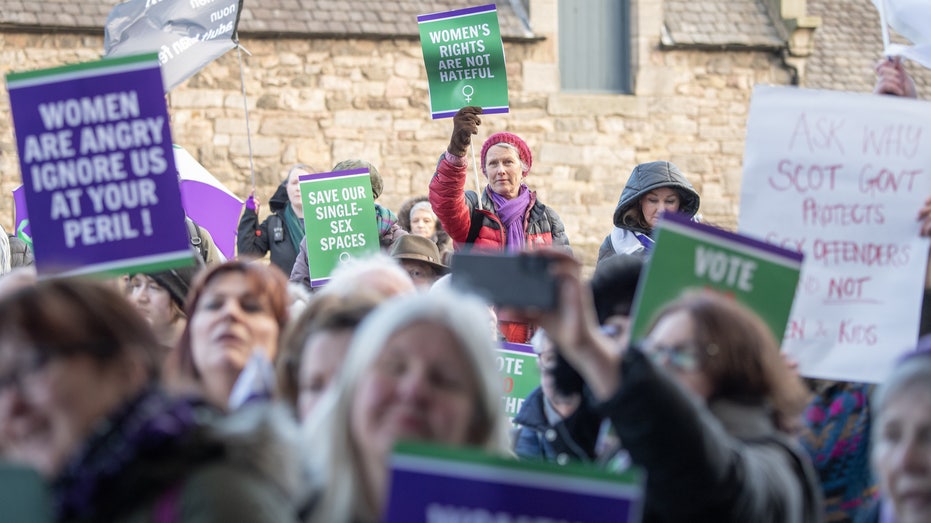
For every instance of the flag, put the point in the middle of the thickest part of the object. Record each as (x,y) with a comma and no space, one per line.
(911,19)
(20,216)
(186,34)
(208,202)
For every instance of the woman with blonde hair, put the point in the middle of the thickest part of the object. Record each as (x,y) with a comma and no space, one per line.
(420,367)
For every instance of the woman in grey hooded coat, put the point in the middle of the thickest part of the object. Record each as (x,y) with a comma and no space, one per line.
(653,188)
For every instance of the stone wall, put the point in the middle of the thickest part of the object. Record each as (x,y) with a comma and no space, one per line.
(320,101)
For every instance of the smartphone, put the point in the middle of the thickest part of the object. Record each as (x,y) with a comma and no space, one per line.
(520,281)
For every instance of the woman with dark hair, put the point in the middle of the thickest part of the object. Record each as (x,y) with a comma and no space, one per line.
(159,297)
(705,405)
(235,309)
(81,403)
(652,189)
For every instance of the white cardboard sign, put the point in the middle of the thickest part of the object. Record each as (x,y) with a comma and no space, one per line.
(840,177)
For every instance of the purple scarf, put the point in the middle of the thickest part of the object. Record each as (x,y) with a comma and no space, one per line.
(511,213)
(151,426)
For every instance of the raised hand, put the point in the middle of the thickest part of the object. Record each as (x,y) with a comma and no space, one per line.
(251,203)
(891,78)
(465,124)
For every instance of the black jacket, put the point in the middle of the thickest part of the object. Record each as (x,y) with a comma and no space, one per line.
(271,235)
(724,463)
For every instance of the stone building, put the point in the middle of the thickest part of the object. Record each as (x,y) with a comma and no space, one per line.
(327,80)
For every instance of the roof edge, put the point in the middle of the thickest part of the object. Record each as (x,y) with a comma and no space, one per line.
(257,34)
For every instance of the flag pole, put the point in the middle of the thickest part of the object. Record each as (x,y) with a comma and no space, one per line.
(245,106)
(478,183)
(881,4)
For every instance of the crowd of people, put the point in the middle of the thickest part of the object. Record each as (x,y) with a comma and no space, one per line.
(233,391)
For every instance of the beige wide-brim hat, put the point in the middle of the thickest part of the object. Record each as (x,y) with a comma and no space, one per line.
(418,248)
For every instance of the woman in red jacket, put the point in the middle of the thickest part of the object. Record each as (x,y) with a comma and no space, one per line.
(508,217)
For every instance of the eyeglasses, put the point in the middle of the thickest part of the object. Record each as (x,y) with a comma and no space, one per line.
(681,357)
(25,368)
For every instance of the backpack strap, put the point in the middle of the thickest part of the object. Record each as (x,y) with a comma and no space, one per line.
(476,218)
(475,225)
(193,231)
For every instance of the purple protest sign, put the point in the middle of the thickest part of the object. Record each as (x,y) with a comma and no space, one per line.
(467,485)
(21,216)
(98,170)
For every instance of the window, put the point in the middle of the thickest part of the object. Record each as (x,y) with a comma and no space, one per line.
(594,46)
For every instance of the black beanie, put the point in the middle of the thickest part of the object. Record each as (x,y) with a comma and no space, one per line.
(614,285)
(177,281)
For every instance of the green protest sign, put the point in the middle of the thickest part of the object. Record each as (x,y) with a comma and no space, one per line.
(464,58)
(517,364)
(339,220)
(690,256)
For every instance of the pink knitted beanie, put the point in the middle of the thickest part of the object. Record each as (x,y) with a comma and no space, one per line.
(513,139)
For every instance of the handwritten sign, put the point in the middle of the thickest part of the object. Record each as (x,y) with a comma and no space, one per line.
(339,220)
(840,177)
(466,485)
(517,363)
(98,170)
(464,58)
(691,255)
